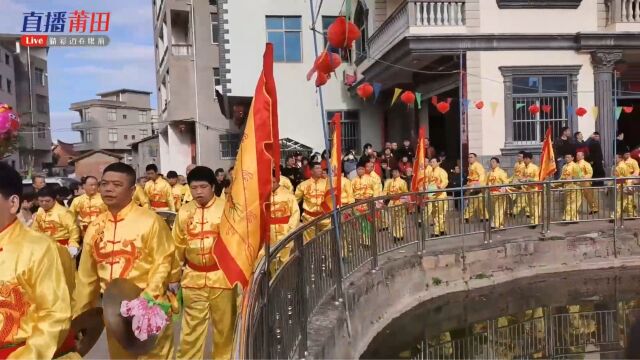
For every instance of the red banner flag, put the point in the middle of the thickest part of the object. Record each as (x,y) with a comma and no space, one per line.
(244,226)
(419,165)
(547,158)
(336,169)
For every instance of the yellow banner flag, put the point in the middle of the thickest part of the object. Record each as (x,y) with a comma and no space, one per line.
(396,93)
(244,225)
(494,107)
(594,112)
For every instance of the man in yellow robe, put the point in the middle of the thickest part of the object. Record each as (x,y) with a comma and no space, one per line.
(140,197)
(634,170)
(311,192)
(587,173)
(572,193)
(519,199)
(534,192)
(34,298)
(286,184)
(158,190)
(395,188)
(285,217)
(364,187)
(88,206)
(476,177)
(56,221)
(208,297)
(496,176)
(369,166)
(177,190)
(438,204)
(622,171)
(187,196)
(127,242)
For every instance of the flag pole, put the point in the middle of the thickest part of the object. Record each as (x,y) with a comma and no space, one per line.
(335,213)
(615,153)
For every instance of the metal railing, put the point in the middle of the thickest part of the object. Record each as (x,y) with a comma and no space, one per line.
(181,49)
(547,336)
(278,306)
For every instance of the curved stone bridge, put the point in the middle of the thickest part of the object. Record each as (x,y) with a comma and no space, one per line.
(343,285)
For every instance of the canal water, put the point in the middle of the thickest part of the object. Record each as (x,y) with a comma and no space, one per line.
(574,315)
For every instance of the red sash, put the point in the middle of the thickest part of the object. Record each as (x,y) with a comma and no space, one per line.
(159,204)
(8,349)
(203,268)
(282,220)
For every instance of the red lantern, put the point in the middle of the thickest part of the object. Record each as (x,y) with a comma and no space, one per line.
(342,33)
(321,78)
(479,105)
(534,109)
(408,97)
(365,90)
(443,107)
(546,108)
(327,62)
(581,111)
(627,109)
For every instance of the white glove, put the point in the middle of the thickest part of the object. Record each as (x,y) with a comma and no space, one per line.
(73,251)
(174,287)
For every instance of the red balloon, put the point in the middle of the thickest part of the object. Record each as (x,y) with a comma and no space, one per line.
(581,111)
(408,97)
(479,104)
(443,107)
(321,78)
(342,33)
(546,108)
(365,90)
(627,109)
(327,62)
(534,109)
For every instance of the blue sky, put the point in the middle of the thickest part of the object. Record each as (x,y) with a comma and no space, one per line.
(77,74)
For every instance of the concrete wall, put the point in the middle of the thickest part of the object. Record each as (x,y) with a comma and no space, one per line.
(93,165)
(147,152)
(496,20)
(406,280)
(299,109)
(175,149)
(191,85)
(486,131)
(7,72)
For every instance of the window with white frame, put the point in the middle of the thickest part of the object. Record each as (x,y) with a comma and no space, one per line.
(144,133)
(553,91)
(229,144)
(285,33)
(215,28)
(39,75)
(42,130)
(111,114)
(113,135)
(88,136)
(350,128)
(142,116)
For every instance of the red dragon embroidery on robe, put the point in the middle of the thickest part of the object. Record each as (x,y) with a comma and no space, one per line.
(13,307)
(127,254)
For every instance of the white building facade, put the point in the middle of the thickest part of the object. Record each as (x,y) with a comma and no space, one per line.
(287,24)
(509,54)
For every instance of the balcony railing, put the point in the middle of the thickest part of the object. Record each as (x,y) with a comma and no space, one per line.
(417,14)
(273,322)
(624,11)
(181,49)
(79,125)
